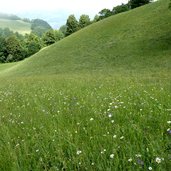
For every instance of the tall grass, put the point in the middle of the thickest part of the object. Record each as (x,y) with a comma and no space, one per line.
(85,122)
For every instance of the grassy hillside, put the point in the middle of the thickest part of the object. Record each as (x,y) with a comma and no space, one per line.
(97,100)
(137,39)
(16,25)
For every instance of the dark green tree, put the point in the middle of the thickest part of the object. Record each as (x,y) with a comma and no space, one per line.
(63,29)
(2,50)
(120,8)
(49,37)
(104,13)
(58,35)
(84,21)
(137,3)
(72,25)
(33,44)
(96,18)
(13,49)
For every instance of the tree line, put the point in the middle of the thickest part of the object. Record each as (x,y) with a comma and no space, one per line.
(15,47)
(72,25)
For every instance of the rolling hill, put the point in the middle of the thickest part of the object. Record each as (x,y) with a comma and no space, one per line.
(96,100)
(136,39)
(16,25)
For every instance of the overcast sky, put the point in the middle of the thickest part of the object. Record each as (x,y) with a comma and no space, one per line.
(62,7)
(70,5)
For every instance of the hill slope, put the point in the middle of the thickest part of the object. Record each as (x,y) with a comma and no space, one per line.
(16,25)
(136,39)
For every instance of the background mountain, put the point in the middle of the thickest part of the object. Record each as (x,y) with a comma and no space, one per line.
(14,23)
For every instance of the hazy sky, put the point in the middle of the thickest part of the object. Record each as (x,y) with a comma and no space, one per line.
(12,6)
(56,11)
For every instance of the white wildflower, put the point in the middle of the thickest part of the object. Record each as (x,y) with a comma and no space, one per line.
(112,156)
(130,160)
(91,119)
(110,115)
(114,136)
(79,152)
(158,160)
(138,155)
(169,122)
(150,168)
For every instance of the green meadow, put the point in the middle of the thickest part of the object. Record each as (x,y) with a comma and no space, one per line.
(98,100)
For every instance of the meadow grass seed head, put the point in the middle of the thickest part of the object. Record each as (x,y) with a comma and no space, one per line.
(122,137)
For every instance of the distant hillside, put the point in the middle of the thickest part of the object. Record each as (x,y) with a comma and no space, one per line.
(23,26)
(135,39)
(9,16)
(16,25)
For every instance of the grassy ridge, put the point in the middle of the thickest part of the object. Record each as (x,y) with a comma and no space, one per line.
(97,100)
(16,26)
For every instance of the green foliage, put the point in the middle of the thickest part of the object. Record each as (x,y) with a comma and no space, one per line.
(137,3)
(96,18)
(39,27)
(58,35)
(33,44)
(13,49)
(49,37)
(52,36)
(120,8)
(84,21)
(2,50)
(72,25)
(104,13)
(63,29)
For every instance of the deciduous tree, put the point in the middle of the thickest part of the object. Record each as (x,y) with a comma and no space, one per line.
(84,21)
(137,3)
(72,25)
